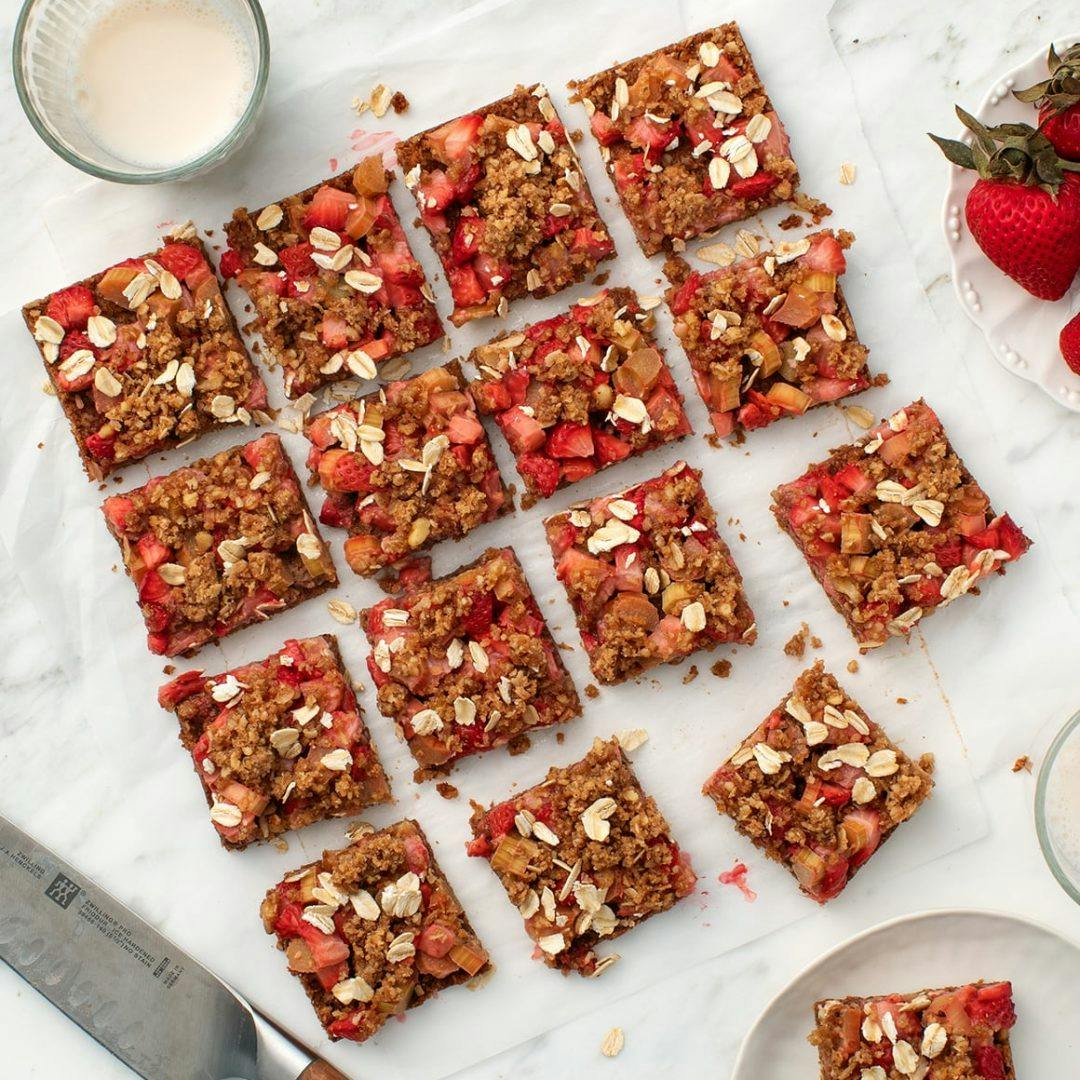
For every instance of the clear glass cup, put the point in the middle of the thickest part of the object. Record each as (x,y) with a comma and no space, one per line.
(44,55)
(1057,807)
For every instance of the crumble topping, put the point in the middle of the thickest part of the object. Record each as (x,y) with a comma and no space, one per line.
(818,786)
(405,467)
(649,578)
(586,855)
(581,391)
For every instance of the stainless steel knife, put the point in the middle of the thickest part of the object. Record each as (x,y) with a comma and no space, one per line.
(152,1005)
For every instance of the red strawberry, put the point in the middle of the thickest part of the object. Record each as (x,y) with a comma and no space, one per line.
(232,262)
(752,187)
(453,140)
(71,308)
(478,620)
(296,260)
(466,243)
(180,259)
(567,440)
(1024,211)
(1058,102)
(1070,343)
(465,286)
(329,208)
(607,134)
(989,1062)
(540,472)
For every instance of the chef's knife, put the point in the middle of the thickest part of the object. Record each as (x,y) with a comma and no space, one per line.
(152,1005)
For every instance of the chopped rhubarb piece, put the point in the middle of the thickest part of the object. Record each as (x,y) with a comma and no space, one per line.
(476,668)
(895,527)
(372,931)
(580,391)
(506,204)
(585,856)
(690,138)
(231,540)
(818,786)
(145,370)
(928,1033)
(287,729)
(405,467)
(332,279)
(648,576)
(771,335)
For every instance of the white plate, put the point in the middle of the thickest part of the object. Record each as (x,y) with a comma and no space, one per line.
(935,948)
(1022,332)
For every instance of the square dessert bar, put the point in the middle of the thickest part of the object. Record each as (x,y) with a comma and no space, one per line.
(690,138)
(769,335)
(958,1033)
(818,786)
(145,356)
(335,286)
(506,203)
(585,855)
(218,545)
(648,576)
(895,527)
(278,744)
(466,663)
(405,467)
(372,930)
(578,392)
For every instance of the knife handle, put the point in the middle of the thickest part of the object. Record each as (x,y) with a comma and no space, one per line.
(321,1070)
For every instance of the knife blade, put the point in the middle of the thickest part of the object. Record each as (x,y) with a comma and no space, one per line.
(157,1009)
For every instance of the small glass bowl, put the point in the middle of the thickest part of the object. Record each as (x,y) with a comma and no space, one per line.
(47,34)
(1059,833)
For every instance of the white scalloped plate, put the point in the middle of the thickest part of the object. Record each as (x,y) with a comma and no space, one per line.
(934,948)
(1022,332)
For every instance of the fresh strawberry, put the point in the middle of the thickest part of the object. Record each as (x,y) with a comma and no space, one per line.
(1070,343)
(610,448)
(334,332)
(452,141)
(607,134)
(1024,210)
(1058,102)
(72,307)
(436,191)
(567,440)
(465,286)
(993,1005)
(989,1062)
(752,187)
(540,472)
(329,208)
(101,448)
(651,136)
(466,243)
(825,254)
(297,260)
(232,262)
(180,260)
(478,620)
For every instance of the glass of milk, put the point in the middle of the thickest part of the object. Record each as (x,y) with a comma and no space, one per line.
(1057,807)
(141,91)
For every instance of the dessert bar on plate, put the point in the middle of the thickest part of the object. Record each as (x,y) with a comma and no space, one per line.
(648,576)
(578,392)
(278,744)
(958,1033)
(584,856)
(466,663)
(506,203)
(335,286)
(895,527)
(769,335)
(405,467)
(218,545)
(690,138)
(372,930)
(818,786)
(145,356)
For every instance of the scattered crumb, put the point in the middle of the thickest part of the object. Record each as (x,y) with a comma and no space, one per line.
(721,669)
(815,641)
(691,675)
(1022,764)
(901,701)
(601,279)
(814,207)
(737,876)
(399,102)
(592,691)
(168,669)
(792,221)
(518,744)
(786,603)
(560,737)
(613,1042)
(796,645)
(847,173)
(280,843)
(853,666)
(379,101)
(447,791)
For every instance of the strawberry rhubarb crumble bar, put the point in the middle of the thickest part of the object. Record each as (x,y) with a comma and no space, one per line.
(218,545)
(690,138)
(506,203)
(145,356)
(405,467)
(648,576)
(466,663)
(578,392)
(818,786)
(372,930)
(585,855)
(335,286)
(278,744)
(958,1033)
(895,527)
(769,335)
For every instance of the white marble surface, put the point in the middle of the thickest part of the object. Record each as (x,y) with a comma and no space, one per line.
(911,62)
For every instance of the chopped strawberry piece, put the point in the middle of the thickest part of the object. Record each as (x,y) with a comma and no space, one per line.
(116,509)
(297,260)
(523,432)
(180,260)
(466,243)
(567,440)
(465,286)
(334,332)
(492,273)
(651,136)
(338,509)
(629,172)
(180,689)
(152,588)
(465,429)
(752,187)
(825,254)
(340,470)
(993,1005)
(574,469)
(71,307)
(436,192)
(989,1062)
(232,262)
(479,619)
(329,209)
(683,299)
(452,141)
(1011,538)
(607,134)
(610,448)
(596,242)
(540,471)
(492,396)
(152,551)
